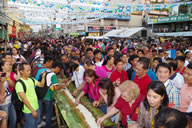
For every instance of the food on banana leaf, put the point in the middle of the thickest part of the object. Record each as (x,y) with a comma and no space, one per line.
(95,111)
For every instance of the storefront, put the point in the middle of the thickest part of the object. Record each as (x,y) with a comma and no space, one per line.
(172,26)
(99,31)
(4,21)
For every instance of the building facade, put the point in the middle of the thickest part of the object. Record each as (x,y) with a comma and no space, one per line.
(177,24)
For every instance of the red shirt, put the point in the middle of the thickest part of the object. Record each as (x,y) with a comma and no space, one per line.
(142,83)
(116,75)
(177,70)
(126,109)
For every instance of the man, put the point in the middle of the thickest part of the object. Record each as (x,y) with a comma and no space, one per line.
(186,95)
(29,98)
(89,53)
(171,118)
(52,83)
(97,58)
(176,78)
(133,61)
(65,60)
(141,77)
(48,62)
(140,53)
(180,64)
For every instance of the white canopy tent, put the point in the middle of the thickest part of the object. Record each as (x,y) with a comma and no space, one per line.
(132,32)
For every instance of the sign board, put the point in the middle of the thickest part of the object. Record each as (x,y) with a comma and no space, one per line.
(170,19)
(97,28)
(57,29)
(14,32)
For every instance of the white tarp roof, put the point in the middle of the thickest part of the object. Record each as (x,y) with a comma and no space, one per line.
(125,33)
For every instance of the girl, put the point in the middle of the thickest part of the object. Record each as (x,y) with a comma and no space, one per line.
(156,100)
(108,65)
(91,87)
(110,94)
(128,104)
(15,54)
(14,75)
(7,106)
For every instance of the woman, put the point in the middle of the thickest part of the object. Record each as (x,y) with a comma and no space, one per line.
(110,94)
(156,100)
(14,75)
(91,87)
(128,103)
(188,58)
(163,72)
(7,106)
(15,54)
(119,75)
(108,65)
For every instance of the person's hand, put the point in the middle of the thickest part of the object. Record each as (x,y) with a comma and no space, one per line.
(133,126)
(75,93)
(3,114)
(67,84)
(43,73)
(100,120)
(77,100)
(2,80)
(96,103)
(35,115)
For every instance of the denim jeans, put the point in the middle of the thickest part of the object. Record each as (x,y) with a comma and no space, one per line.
(11,114)
(48,110)
(103,107)
(30,122)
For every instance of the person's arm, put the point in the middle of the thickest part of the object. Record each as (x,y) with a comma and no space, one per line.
(99,102)
(2,90)
(79,97)
(27,104)
(58,87)
(42,83)
(106,116)
(79,88)
(68,82)
(3,115)
(23,59)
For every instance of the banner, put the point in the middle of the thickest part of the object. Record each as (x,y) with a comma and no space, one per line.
(14,35)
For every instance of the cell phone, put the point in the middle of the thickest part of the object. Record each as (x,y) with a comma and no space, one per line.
(2,74)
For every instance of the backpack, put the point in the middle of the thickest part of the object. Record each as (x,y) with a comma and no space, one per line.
(15,99)
(35,70)
(41,92)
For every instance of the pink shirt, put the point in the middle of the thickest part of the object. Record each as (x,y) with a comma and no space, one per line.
(124,51)
(13,79)
(109,72)
(101,73)
(117,94)
(93,91)
(185,97)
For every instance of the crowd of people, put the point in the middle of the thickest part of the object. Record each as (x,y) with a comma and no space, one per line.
(136,83)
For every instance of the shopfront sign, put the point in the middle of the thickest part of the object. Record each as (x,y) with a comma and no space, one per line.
(170,19)
(97,28)
(14,32)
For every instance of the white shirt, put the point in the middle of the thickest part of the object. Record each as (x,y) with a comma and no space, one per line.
(178,81)
(18,56)
(78,76)
(7,94)
(99,63)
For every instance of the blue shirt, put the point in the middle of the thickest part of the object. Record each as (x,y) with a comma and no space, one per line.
(150,73)
(37,77)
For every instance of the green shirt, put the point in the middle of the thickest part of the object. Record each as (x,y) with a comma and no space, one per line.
(30,94)
(51,81)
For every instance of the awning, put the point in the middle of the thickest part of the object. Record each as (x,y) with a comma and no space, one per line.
(5,19)
(175,34)
(125,33)
(74,34)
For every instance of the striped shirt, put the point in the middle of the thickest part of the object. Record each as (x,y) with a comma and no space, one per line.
(173,93)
